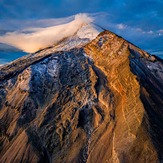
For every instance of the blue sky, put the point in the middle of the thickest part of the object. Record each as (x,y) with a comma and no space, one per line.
(140,21)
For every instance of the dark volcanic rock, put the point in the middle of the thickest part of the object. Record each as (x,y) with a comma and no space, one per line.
(98,103)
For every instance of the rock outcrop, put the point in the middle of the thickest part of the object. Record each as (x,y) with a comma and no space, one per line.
(99,102)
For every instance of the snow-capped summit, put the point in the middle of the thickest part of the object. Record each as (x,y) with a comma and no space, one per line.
(84,35)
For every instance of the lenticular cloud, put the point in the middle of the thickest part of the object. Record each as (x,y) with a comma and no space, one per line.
(33,39)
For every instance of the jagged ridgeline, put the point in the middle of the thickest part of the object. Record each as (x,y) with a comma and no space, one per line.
(93,102)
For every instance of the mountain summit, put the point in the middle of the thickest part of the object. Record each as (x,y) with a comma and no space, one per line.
(83,101)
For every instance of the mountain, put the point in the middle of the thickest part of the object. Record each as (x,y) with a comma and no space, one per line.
(83,101)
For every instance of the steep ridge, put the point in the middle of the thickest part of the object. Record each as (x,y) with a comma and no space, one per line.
(97,102)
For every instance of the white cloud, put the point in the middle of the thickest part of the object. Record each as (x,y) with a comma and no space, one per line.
(121,26)
(161,30)
(150,32)
(139,29)
(33,39)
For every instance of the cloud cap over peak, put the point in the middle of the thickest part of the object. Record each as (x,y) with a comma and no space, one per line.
(32,39)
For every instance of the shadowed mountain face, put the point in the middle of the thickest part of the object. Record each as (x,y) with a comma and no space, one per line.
(101,102)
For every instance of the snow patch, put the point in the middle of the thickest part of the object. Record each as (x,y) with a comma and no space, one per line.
(53,68)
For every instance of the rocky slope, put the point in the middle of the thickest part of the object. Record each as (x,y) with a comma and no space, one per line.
(96,102)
